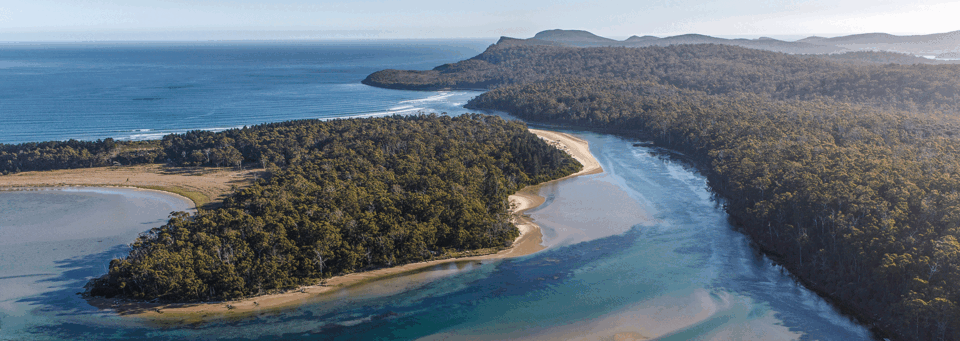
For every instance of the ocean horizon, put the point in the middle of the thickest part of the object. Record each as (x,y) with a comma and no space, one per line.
(145,90)
(642,248)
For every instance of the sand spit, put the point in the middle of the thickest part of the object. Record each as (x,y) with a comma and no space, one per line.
(575,146)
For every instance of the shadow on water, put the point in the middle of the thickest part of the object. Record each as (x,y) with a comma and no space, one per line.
(70,317)
(697,330)
(797,308)
(435,308)
(453,301)
(26,276)
(506,298)
(689,250)
(63,298)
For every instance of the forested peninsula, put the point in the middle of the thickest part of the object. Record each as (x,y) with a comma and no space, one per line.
(338,197)
(847,174)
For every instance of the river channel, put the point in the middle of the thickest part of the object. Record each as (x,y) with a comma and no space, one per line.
(642,250)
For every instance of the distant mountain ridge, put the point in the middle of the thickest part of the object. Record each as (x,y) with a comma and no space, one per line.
(937,44)
(573,37)
(942,45)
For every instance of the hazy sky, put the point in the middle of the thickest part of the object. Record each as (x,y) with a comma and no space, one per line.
(70,20)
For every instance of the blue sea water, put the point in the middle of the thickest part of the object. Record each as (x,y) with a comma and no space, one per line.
(643,249)
(136,91)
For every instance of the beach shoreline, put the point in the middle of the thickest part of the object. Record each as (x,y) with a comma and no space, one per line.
(153,176)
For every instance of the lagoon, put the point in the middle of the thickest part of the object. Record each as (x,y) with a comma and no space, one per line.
(641,250)
(651,255)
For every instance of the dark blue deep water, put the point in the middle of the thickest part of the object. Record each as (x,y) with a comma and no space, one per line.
(640,250)
(143,91)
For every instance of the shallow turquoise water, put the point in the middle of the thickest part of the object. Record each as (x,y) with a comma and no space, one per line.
(667,264)
(643,248)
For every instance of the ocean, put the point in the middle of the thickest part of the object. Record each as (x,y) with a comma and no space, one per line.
(139,91)
(640,250)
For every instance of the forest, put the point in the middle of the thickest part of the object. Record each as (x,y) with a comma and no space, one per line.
(50,155)
(341,196)
(848,174)
(714,69)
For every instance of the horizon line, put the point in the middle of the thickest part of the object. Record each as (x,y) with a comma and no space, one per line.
(788,37)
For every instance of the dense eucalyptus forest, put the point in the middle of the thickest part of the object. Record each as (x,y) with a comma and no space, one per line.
(50,155)
(341,196)
(714,69)
(847,173)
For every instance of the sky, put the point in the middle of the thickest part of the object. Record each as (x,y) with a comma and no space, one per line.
(106,20)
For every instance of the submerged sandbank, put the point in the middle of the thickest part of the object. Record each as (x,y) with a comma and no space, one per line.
(528,242)
(676,315)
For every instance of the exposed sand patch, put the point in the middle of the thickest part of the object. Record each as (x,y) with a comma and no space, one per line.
(575,146)
(202,185)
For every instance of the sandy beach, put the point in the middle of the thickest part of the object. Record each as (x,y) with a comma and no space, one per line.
(528,242)
(575,146)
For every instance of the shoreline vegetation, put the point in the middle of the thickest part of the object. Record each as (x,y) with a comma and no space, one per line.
(208,187)
(527,243)
(334,198)
(212,185)
(846,173)
(525,163)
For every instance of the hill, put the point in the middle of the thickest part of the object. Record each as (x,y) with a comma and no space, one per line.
(928,45)
(845,171)
(919,45)
(574,37)
(712,68)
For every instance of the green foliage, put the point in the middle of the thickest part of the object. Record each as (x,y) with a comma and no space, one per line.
(849,173)
(714,69)
(343,196)
(40,156)
(860,203)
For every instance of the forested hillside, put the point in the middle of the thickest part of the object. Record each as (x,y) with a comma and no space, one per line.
(914,45)
(848,174)
(858,202)
(343,196)
(714,69)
